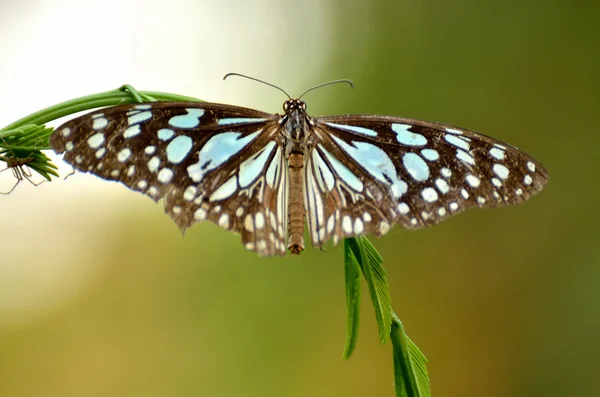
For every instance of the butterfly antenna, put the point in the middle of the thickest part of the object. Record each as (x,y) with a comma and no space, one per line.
(328,83)
(255,79)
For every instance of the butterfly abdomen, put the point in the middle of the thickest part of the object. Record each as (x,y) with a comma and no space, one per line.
(296,209)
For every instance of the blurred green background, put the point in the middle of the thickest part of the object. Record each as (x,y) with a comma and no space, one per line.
(100,295)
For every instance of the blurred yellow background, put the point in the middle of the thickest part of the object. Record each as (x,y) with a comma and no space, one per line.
(100,295)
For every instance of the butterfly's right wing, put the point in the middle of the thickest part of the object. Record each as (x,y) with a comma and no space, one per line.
(208,161)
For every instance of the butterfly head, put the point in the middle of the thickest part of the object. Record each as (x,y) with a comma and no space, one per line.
(296,123)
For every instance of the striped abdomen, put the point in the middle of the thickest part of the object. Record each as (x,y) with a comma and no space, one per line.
(296,210)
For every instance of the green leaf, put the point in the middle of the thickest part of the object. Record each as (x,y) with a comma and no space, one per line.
(410,372)
(352,273)
(371,264)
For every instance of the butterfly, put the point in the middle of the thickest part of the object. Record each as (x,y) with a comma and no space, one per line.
(265,175)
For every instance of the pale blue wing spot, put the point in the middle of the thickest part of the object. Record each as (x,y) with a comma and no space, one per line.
(218,150)
(416,166)
(179,148)
(406,137)
(132,131)
(240,120)
(501,171)
(376,162)
(454,131)
(273,168)
(164,134)
(189,120)
(496,153)
(457,142)
(251,168)
(324,175)
(464,156)
(139,117)
(430,154)
(353,128)
(347,176)
(225,190)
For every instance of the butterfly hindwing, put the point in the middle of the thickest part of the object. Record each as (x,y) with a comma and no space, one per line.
(207,161)
(386,170)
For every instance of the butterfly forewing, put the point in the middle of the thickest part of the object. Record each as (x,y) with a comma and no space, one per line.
(208,161)
(413,173)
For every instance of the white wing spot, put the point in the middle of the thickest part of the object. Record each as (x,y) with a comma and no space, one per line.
(527,180)
(259,220)
(124,155)
(464,193)
(142,184)
(367,217)
(200,214)
(453,206)
(224,221)
(239,212)
(481,200)
(190,193)
(130,170)
(165,175)
(66,132)
(100,153)
(473,180)
(442,186)
(99,123)
(441,211)
(496,182)
(384,227)
(359,227)
(96,140)
(531,166)
(249,223)
(115,173)
(153,164)
(69,145)
(153,191)
(403,208)
(347,224)
(429,194)
(519,191)
(446,173)
(150,150)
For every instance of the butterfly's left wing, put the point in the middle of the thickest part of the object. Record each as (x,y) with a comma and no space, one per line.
(207,161)
(366,173)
